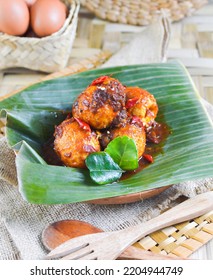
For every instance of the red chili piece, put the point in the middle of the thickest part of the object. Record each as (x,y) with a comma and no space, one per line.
(148,158)
(99,80)
(131,102)
(83,124)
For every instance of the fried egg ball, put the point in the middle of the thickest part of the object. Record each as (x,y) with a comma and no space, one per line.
(142,104)
(133,129)
(100,103)
(74,141)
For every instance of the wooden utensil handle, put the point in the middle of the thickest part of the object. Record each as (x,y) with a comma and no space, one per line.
(186,210)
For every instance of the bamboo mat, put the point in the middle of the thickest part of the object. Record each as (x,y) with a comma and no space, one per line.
(180,240)
(192,43)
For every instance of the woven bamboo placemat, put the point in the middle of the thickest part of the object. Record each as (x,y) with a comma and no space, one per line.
(179,240)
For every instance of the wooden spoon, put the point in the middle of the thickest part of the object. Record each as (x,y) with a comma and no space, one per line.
(57,233)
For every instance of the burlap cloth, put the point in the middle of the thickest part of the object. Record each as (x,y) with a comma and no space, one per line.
(21,223)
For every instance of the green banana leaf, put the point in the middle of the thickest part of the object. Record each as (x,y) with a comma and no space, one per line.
(33,113)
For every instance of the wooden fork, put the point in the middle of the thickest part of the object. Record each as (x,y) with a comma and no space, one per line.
(109,245)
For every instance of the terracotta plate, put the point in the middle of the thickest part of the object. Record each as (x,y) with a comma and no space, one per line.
(133,197)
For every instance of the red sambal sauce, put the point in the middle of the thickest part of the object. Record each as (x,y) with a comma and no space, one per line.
(156,136)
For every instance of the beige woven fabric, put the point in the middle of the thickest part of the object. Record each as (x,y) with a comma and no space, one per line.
(8,170)
(21,223)
(140,51)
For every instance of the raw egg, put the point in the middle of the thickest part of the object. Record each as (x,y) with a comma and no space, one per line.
(47,16)
(14,17)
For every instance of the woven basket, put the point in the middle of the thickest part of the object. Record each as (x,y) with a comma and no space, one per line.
(47,54)
(141,12)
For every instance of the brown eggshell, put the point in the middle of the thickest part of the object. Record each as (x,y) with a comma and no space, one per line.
(47,16)
(14,17)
